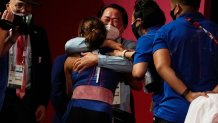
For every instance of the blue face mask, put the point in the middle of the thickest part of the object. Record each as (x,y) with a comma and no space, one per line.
(172,14)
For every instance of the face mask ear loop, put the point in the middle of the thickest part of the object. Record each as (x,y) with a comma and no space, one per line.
(137,19)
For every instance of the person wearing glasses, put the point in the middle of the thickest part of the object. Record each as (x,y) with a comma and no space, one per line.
(25,67)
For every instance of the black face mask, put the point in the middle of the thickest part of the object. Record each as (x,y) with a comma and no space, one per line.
(172,14)
(135,30)
(23,26)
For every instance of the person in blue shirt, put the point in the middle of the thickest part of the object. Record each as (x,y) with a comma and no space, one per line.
(185,55)
(147,19)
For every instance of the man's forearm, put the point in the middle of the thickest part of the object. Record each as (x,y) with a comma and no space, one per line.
(173,81)
(76,45)
(118,64)
(111,62)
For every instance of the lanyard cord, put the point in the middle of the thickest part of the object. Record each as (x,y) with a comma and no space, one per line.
(197,25)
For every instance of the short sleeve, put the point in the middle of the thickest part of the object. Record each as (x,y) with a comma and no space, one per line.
(160,40)
(143,49)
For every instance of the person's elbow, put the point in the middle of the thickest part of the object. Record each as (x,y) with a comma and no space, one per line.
(160,68)
(139,70)
(137,74)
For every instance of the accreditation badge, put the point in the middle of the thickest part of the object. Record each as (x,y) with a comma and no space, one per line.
(16,75)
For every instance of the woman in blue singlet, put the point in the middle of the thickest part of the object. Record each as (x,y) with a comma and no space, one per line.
(93,89)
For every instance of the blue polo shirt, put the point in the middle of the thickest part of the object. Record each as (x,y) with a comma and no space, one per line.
(143,53)
(194,58)
(3,78)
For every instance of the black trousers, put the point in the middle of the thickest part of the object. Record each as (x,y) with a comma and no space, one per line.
(80,115)
(120,116)
(160,120)
(16,110)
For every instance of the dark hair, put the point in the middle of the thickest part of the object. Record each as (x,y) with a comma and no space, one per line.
(94,32)
(193,3)
(149,12)
(117,7)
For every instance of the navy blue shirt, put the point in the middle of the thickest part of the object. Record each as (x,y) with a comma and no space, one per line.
(194,58)
(58,89)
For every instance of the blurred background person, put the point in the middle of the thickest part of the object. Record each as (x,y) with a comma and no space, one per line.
(26,67)
(147,19)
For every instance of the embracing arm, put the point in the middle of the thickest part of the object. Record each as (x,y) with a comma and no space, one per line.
(110,62)
(115,63)
(68,71)
(119,64)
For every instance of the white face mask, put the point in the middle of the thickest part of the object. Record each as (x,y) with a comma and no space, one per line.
(15,13)
(112,32)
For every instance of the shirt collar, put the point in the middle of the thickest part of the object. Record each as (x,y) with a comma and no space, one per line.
(153,29)
(191,15)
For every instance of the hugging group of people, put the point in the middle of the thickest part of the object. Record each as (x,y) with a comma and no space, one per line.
(92,81)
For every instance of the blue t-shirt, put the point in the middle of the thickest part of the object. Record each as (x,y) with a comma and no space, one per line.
(194,58)
(144,44)
(143,53)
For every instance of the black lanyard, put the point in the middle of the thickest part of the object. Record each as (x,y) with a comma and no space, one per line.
(197,25)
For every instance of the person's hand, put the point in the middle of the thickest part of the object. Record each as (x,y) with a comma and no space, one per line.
(116,53)
(113,45)
(40,113)
(7,15)
(88,60)
(193,95)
